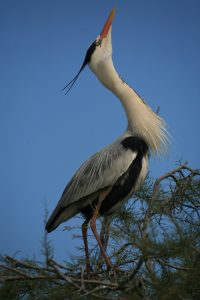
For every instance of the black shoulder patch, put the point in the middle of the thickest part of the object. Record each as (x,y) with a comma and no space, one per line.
(126,182)
(135,144)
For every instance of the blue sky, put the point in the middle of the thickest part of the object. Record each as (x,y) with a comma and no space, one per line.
(45,135)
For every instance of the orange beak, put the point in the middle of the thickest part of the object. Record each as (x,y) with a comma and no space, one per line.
(107,25)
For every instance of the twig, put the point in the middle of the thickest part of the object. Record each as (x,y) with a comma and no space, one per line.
(14,270)
(123,284)
(161,261)
(26,265)
(64,276)
(32,278)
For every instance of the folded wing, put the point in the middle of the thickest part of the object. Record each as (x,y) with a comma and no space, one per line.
(101,171)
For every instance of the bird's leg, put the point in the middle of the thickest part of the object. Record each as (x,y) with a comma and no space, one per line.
(94,230)
(85,240)
(104,236)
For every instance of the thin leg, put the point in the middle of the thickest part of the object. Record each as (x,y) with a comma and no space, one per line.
(85,240)
(104,236)
(105,231)
(94,230)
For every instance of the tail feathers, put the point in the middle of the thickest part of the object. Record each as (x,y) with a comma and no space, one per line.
(53,221)
(59,216)
(50,227)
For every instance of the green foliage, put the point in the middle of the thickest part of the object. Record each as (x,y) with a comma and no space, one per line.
(154,245)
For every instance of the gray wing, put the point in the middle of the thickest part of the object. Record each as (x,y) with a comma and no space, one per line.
(100,171)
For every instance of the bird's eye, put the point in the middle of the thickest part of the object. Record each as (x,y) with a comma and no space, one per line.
(98,42)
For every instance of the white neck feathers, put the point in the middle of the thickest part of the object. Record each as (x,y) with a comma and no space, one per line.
(142,121)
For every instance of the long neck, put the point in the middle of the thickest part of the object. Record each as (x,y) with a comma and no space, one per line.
(142,121)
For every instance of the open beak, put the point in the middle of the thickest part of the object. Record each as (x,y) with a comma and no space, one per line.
(107,25)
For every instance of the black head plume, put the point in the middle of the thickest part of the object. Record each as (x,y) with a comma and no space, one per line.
(87,59)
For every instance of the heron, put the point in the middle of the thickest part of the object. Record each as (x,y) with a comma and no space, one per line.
(107,179)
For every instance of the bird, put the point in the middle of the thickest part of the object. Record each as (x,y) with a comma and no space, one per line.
(108,178)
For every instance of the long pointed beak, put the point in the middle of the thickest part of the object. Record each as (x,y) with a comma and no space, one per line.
(92,48)
(107,25)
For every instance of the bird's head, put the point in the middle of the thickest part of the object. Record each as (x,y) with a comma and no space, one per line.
(101,48)
(98,52)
